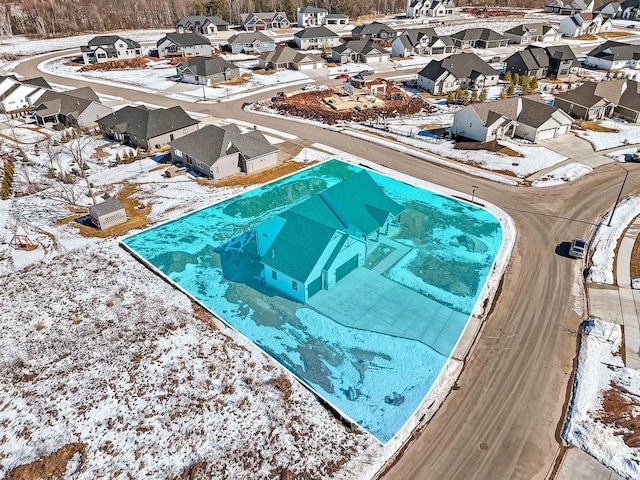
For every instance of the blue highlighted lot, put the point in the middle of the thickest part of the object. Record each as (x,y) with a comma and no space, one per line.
(357,283)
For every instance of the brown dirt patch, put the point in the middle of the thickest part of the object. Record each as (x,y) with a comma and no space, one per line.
(138,62)
(594,127)
(137,216)
(262,176)
(619,407)
(585,37)
(51,466)
(635,259)
(615,34)
(235,81)
(262,71)
(508,151)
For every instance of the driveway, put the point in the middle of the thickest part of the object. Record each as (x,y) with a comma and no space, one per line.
(366,300)
(575,149)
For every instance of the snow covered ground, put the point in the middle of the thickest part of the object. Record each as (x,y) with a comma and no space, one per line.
(603,414)
(605,240)
(626,133)
(567,173)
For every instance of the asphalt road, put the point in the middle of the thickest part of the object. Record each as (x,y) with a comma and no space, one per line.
(503,421)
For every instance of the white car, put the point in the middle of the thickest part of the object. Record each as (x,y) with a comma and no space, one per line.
(578,248)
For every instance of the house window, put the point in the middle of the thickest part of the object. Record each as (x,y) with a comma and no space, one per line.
(294,285)
(274,274)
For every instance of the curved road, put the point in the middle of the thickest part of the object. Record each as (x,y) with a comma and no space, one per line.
(503,421)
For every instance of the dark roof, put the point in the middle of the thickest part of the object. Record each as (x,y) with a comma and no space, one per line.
(562,52)
(185,39)
(198,20)
(210,143)
(315,32)
(532,58)
(71,103)
(110,40)
(460,65)
(145,123)
(531,111)
(612,50)
(103,208)
(416,34)
(618,91)
(206,66)
(264,16)
(310,9)
(372,29)
(478,34)
(363,47)
(288,55)
(249,37)
(37,82)
(530,28)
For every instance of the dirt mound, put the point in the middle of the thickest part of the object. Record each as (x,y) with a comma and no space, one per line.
(52,466)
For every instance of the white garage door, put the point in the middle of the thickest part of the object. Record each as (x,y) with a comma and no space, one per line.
(373,59)
(546,134)
(563,129)
(307,66)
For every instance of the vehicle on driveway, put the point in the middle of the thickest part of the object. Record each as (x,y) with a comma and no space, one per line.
(635,156)
(343,76)
(578,248)
(363,73)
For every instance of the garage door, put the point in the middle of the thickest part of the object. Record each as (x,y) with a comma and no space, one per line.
(346,267)
(306,66)
(314,287)
(373,59)
(563,129)
(546,134)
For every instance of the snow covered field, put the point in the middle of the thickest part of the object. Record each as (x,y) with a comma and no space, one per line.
(627,133)
(567,173)
(605,240)
(603,414)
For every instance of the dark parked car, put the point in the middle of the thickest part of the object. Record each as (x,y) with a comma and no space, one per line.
(366,72)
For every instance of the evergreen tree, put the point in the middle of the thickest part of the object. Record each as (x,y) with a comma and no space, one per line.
(507,76)
(483,95)
(503,94)
(515,80)
(534,83)
(451,98)
(474,96)
(511,90)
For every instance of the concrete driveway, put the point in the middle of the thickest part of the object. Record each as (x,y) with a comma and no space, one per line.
(575,149)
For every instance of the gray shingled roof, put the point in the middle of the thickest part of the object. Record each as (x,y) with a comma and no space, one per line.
(145,123)
(211,142)
(198,20)
(315,32)
(619,91)
(372,29)
(288,55)
(103,208)
(249,37)
(478,34)
(612,50)
(71,103)
(532,58)
(206,66)
(363,47)
(461,65)
(529,111)
(185,39)
(37,82)
(110,40)
(310,9)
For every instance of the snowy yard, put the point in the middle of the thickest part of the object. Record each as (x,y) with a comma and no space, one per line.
(603,414)
(560,175)
(626,133)
(605,240)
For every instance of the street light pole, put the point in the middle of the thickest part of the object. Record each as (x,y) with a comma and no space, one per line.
(473,192)
(626,174)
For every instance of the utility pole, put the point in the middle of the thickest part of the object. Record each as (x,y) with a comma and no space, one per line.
(473,193)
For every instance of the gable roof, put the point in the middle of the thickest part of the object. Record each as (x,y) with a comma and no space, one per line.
(310,9)
(198,20)
(316,32)
(37,82)
(612,50)
(110,40)
(185,39)
(364,47)
(288,55)
(206,66)
(471,34)
(210,143)
(562,53)
(373,29)
(103,208)
(249,37)
(71,103)
(532,58)
(530,110)
(266,17)
(145,123)
(460,65)
(619,91)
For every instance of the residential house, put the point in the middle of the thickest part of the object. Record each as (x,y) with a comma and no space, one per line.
(219,152)
(630,10)
(584,24)
(184,45)
(561,61)
(612,55)
(609,10)
(597,100)
(430,8)
(376,31)
(204,24)
(106,48)
(77,108)
(264,21)
(17,95)
(479,38)
(207,70)
(288,58)
(310,16)
(317,243)
(421,41)
(146,128)
(569,7)
(333,20)
(107,214)
(460,70)
(251,42)
(363,51)
(532,32)
(524,117)
(530,62)
(316,38)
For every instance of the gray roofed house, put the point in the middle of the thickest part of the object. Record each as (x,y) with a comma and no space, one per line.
(421,41)
(219,152)
(375,31)
(569,7)
(207,70)
(612,55)
(78,108)
(479,38)
(251,42)
(532,32)
(264,21)
(364,51)
(310,16)
(184,44)
(18,95)
(105,48)
(287,57)
(532,61)
(561,60)
(107,214)
(37,82)
(460,70)
(630,10)
(316,37)
(146,128)
(525,117)
(609,9)
(597,100)
(204,24)
(335,19)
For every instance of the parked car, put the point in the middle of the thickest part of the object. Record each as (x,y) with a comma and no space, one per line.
(343,76)
(308,87)
(578,248)
(635,156)
(362,73)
